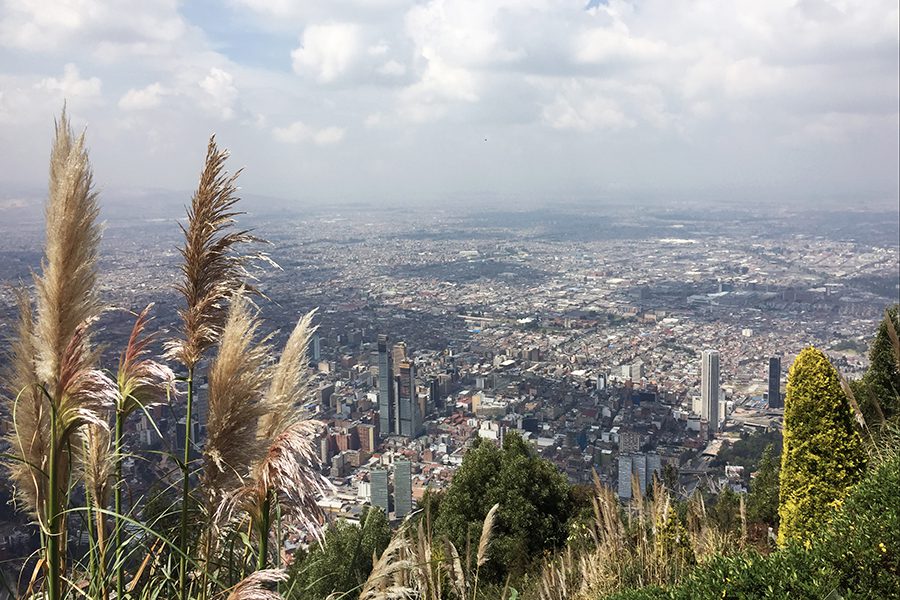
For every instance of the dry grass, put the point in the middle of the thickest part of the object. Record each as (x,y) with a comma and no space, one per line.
(97,464)
(290,382)
(29,436)
(238,378)
(212,270)
(67,287)
(257,586)
(642,544)
(141,381)
(392,572)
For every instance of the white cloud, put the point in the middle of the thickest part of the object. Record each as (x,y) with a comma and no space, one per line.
(327,51)
(328,136)
(221,93)
(71,85)
(142,99)
(615,45)
(392,68)
(532,75)
(572,108)
(298,132)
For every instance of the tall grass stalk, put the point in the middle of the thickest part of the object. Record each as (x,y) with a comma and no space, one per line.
(54,389)
(212,271)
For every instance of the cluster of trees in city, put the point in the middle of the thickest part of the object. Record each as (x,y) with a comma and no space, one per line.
(821,518)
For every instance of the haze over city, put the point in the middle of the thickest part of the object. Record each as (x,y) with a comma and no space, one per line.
(503,102)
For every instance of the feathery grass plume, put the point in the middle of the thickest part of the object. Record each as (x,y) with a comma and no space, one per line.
(457,574)
(486,530)
(66,289)
(213,270)
(140,384)
(29,436)
(238,378)
(388,571)
(97,464)
(85,393)
(290,471)
(287,473)
(141,381)
(57,361)
(290,383)
(256,586)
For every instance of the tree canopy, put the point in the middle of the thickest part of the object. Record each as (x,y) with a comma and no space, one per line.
(344,559)
(536,502)
(762,502)
(881,383)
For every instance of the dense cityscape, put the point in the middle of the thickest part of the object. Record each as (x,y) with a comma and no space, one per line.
(614,343)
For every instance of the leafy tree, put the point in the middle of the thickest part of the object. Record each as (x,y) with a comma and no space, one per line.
(344,559)
(672,541)
(823,453)
(747,451)
(762,502)
(726,512)
(669,477)
(535,500)
(881,383)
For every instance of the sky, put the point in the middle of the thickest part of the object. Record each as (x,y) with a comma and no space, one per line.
(496,101)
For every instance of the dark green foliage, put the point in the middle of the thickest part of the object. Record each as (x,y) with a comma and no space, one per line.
(669,478)
(535,500)
(343,561)
(823,452)
(863,542)
(725,512)
(762,502)
(748,450)
(881,383)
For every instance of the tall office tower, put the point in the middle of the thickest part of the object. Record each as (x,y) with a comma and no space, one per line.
(402,488)
(316,348)
(624,477)
(379,480)
(434,394)
(398,352)
(775,382)
(709,389)
(639,468)
(409,417)
(385,388)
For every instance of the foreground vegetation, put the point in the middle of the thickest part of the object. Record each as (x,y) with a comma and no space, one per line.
(509,526)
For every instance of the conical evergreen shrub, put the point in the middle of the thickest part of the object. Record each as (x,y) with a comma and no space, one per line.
(823,451)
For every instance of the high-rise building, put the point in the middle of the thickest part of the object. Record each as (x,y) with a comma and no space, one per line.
(316,348)
(379,487)
(639,468)
(624,477)
(385,388)
(409,415)
(402,488)
(775,382)
(709,389)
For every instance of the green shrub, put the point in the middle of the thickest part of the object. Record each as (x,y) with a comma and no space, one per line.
(823,452)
